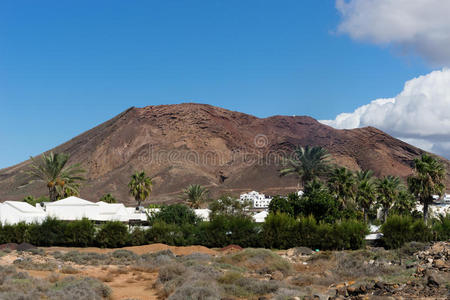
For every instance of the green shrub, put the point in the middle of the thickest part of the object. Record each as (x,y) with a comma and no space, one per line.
(223,230)
(441,228)
(138,236)
(51,232)
(397,230)
(112,234)
(80,233)
(349,234)
(307,232)
(13,233)
(279,231)
(161,232)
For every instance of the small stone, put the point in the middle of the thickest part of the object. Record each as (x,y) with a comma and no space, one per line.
(432,282)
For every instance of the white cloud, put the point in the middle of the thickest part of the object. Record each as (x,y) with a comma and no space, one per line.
(419,27)
(419,115)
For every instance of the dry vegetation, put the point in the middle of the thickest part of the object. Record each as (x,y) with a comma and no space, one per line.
(415,270)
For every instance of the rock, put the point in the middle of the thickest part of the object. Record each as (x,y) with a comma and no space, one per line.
(431,282)
(379,285)
(439,263)
(277,275)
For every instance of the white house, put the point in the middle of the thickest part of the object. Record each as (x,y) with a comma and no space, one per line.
(72,208)
(112,212)
(12,212)
(258,200)
(261,216)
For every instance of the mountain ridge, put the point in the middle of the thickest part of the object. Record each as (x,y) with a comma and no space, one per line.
(226,150)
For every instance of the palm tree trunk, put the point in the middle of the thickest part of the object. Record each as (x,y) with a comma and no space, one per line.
(385,213)
(52,193)
(365,215)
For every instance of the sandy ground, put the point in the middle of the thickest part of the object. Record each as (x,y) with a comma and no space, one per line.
(125,282)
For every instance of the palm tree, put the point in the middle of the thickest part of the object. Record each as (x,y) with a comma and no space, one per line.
(195,194)
(307,163)
(366,193)
(108,198)
(404,204)
(388,188)
(341,184)
(59,178)
(140,186)
(427,181)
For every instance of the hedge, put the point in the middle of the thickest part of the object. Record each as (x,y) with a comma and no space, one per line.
(280,231)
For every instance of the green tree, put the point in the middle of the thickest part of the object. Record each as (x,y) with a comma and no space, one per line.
(178,214)
(227,205)
(280,204)
(318,202)
(428,180)
(58,176)
(341,184)
(140,186)
(195,195)
(366,191)
(108,198)
(307,164)
(388,189)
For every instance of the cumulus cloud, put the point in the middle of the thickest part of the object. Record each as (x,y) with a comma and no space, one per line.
(420,27)
(419,115)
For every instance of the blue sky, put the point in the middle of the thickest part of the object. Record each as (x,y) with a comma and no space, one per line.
(67,66)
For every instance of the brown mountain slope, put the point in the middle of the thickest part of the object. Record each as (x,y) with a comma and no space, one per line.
(227,151)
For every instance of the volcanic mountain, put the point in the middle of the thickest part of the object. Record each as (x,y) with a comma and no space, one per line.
(227,151)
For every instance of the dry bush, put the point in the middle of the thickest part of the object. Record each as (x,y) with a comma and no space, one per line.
(53,277)
(151,262)
(123,257)
(69,270)
(259,260)
(364,264)
(108,277)
(84,258)
(198,289)
(170,272)
(27,263)
(79,289)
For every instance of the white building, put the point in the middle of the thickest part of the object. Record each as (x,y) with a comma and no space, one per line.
(203,213)
(72,208)
(261,216)
(112,212)
(13,212)
(258,200)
